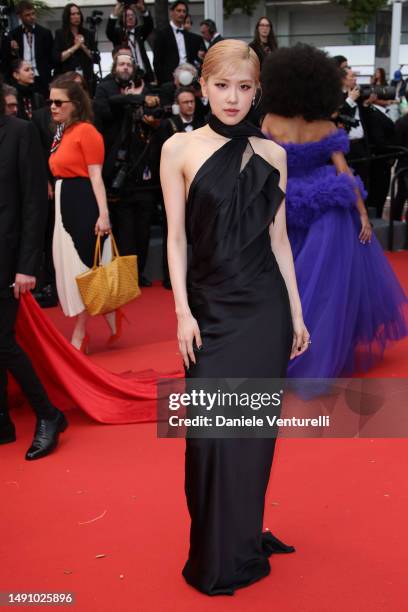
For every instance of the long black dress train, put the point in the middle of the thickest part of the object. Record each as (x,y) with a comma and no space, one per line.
(239,298)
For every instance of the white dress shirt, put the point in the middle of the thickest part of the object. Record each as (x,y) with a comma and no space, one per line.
(29,49)
(356,133)
(181,43)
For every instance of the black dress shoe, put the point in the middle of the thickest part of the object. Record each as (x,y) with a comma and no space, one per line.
(167,283)
(7,429)
(46,436)
(145,282)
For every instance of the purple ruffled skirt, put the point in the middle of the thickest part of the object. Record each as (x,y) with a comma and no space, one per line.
(353,304)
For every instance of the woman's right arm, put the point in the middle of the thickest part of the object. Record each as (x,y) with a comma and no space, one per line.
(173,187)
(341,165)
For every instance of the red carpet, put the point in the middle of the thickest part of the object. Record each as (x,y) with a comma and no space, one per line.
(117,491)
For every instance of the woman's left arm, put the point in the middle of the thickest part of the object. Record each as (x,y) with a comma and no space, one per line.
(95,175)
(283,253)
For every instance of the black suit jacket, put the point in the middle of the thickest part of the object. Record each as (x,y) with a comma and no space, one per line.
(23,200)
(380,129)
(79,59)
(166,55)
(43,45)
(118,36)
(216,39)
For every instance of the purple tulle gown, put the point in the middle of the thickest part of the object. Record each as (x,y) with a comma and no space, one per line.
(353,304)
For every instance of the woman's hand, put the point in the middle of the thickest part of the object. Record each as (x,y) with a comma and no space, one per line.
(366,229)
(103,225)
(188,331)
(301,337)
(78,40)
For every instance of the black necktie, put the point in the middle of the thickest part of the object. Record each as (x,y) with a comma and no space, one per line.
(179,30)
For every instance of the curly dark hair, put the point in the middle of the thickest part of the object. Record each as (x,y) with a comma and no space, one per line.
(300,81)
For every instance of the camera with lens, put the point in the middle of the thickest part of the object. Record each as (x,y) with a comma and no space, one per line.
(383,92)
(347,122)
(94,20)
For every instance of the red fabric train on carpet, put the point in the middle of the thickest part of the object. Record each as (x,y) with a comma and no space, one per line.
(72,380)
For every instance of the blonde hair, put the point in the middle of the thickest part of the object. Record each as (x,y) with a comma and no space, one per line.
(227,56)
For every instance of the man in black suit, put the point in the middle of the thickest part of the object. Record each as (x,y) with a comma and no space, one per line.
(185,120)
(33,43)
(175,46)
(209,32)
(129,32)
(381,135)
(23,214)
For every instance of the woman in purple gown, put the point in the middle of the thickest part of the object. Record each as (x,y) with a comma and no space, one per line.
(352,302)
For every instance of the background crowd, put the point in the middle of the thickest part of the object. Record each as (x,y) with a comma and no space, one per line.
(142,103)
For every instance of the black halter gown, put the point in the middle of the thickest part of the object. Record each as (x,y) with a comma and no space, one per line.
(239,298)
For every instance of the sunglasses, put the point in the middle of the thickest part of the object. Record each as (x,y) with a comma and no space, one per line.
(58,103)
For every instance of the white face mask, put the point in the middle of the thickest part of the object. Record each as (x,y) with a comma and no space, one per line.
(185,77)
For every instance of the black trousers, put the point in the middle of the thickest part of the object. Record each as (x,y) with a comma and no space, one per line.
(14,360)
(380,179)
(358,150)
(47,276)
(131,220)
(401,197)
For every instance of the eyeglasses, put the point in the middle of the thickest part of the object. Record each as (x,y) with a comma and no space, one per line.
(58,103)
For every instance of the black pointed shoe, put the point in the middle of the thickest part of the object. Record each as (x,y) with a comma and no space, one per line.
(7,429)
(46,436)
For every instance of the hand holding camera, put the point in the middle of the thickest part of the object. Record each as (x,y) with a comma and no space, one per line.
(354,93)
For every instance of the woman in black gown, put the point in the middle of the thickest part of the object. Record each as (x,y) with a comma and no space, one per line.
(223,188)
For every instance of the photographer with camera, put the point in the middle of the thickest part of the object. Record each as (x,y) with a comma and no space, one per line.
(351,117)
(127,113)
(123,28)
(75,48)
(381,136)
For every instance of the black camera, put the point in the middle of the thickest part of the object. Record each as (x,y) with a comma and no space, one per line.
(120,177)
(383,92)
(347,122)
(95,19)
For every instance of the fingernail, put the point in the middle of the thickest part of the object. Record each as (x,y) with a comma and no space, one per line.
(299,348)
(200,347)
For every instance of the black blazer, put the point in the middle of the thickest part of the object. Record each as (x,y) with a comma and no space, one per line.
(215,40)
(166,55)
(118,36)
(79,59)
(380,129)
(23,200)
(43,45)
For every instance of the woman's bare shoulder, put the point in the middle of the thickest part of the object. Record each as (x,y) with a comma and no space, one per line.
(269,150)
(179,144)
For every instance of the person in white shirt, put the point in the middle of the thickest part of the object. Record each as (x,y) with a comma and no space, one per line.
(174,45)
(33,43)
